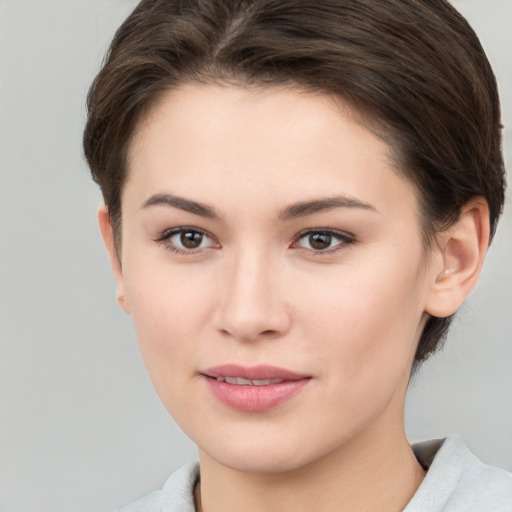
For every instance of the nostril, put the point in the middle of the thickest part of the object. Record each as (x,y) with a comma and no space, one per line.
(247,335)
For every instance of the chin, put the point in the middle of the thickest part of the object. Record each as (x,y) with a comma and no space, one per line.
(270,451)
(260,461)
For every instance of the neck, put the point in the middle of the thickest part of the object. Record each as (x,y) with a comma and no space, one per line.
(360,476)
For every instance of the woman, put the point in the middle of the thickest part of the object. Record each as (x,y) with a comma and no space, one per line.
(298,197)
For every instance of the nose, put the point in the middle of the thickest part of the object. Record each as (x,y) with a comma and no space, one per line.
(252,303)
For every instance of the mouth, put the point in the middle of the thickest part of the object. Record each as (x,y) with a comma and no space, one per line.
(254,389)
(239,381)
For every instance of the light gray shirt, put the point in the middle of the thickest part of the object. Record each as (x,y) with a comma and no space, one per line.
(456,481)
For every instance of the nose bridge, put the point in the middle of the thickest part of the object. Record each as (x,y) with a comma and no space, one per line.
(252,304)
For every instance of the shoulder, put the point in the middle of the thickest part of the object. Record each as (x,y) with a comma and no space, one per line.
(457,481)
(177,494)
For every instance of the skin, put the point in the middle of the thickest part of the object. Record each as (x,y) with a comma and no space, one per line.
(256,291)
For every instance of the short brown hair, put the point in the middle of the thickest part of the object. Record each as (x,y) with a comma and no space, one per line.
(415,68)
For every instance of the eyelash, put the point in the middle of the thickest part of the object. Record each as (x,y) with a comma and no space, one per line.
(344,240)
(165,239)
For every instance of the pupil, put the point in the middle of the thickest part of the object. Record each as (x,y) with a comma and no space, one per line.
(191,240)
(320,240)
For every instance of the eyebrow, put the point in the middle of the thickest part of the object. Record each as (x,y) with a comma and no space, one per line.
(293,211)
(319,205)
(187,205)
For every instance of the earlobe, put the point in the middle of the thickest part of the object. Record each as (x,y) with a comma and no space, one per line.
(107,234)
(458,259)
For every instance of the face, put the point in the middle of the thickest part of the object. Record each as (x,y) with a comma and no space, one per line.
(273,265)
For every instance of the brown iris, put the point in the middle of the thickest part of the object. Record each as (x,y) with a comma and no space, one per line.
(191,239)
(320,241)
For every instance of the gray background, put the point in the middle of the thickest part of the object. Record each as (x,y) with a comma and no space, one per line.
(80,427)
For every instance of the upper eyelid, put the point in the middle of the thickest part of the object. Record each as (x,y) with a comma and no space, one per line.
(330,231)
(308,231)
(167,233)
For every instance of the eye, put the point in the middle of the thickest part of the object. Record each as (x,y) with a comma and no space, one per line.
(323,241)
(186,240)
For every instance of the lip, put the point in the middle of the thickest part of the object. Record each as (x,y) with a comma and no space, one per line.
(254,398)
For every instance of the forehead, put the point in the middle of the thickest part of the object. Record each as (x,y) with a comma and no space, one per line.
(227,141)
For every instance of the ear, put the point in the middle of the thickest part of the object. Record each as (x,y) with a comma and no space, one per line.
(458,258)
(108,238)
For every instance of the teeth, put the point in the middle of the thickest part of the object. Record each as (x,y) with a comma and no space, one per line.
(266,382)
(239,381)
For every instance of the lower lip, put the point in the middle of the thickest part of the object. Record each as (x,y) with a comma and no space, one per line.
(255,398)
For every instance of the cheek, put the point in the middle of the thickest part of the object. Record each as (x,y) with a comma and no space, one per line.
(370,315)
(168,312)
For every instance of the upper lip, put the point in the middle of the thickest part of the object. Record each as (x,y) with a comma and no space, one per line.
(260,372)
